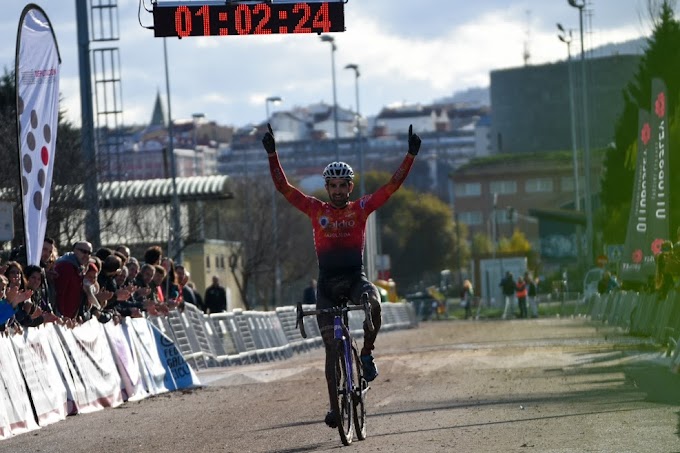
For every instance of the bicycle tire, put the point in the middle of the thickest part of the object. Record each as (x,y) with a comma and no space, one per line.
(341,400)
(358,395)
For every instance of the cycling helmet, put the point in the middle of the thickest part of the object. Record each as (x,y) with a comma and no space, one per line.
(338,170)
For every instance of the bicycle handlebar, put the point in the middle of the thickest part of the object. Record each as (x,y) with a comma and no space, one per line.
(339,311)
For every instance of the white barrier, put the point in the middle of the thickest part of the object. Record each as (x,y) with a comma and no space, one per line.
(43,379)
(127,362)
(60,371)
(16,415)
(94,366)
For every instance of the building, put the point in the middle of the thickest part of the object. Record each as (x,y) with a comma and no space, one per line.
(530,104)
(497,194)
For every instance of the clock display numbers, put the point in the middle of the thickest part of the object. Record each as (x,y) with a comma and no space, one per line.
(247,19)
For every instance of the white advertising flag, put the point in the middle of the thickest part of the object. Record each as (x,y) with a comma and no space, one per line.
(37,82)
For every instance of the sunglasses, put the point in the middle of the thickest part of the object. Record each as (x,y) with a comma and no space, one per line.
(85,251)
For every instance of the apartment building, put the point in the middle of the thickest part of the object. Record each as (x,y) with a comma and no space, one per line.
(503,192)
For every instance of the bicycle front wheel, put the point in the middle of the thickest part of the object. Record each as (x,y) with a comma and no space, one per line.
(341,400)
(358,395)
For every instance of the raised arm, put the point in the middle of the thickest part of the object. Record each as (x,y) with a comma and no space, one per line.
(292,193)
(380,196)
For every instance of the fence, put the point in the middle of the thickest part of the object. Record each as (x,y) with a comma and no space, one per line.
(639,314)
(242,337)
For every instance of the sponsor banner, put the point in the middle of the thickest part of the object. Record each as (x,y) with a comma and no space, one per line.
(16,414)
(90,357)
(37,81)
(637,261)
(179,374)
(126,361)
(75,388)
(139,333)
(658,206)
(46,389)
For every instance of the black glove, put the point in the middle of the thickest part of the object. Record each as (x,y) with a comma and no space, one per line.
(413,141)
(268,140)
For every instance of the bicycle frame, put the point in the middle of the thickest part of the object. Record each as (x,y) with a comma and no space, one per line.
(339,328)
(354,392)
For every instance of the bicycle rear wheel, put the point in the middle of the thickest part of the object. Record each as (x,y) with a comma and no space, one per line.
(358,395)
(341,400)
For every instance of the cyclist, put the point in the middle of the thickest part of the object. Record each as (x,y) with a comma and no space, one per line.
(339,238)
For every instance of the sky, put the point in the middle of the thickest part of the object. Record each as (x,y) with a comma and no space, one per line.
(407,53)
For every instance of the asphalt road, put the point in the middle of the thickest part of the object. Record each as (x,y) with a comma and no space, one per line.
(545,385)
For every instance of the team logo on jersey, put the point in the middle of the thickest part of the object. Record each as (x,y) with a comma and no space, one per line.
(325,222)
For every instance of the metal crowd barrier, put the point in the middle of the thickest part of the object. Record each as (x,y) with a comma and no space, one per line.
(242,337)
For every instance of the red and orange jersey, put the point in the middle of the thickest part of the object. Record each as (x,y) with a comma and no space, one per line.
(339,233)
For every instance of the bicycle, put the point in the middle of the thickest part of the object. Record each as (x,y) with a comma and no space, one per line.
(350,387)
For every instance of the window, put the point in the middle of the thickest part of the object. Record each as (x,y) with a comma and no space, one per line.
(470,218)
(503,187)
(468,189)
(539,185)
(567,183)
(207,262)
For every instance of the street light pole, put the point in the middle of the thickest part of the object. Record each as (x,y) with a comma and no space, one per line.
(580,4)
(566,37)
(176,242)
(277,264)
(331,40)
(362,185)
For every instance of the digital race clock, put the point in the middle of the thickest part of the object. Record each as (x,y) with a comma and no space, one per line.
(221,19)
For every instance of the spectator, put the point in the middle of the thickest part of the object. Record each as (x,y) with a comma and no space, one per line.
(47,260)
(309,294)
(41,310)
(508,286)
(91,289)
(103,252)
(215,297)
(188,293)
(15,274)
(521,293)
(197,294)
(466,295)
(532,293)
(169,285)
(124,250)
(69,279)
(607,283)
(153,255)
(161,305)
(143,294)
(133,269)
(117,304)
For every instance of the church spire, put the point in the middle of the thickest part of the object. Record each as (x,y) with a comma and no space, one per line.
(158,115)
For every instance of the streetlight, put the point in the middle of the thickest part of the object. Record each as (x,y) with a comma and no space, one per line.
(371,249)
(277,265)
(566,37)
(274,100)
(362,186)
(176,242)
(580,4)
(331,40)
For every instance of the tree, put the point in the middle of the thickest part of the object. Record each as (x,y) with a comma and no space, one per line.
(662,59)
(517,243)
(481,244)
(417,232)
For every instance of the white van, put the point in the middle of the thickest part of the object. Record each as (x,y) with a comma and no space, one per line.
(592,277)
